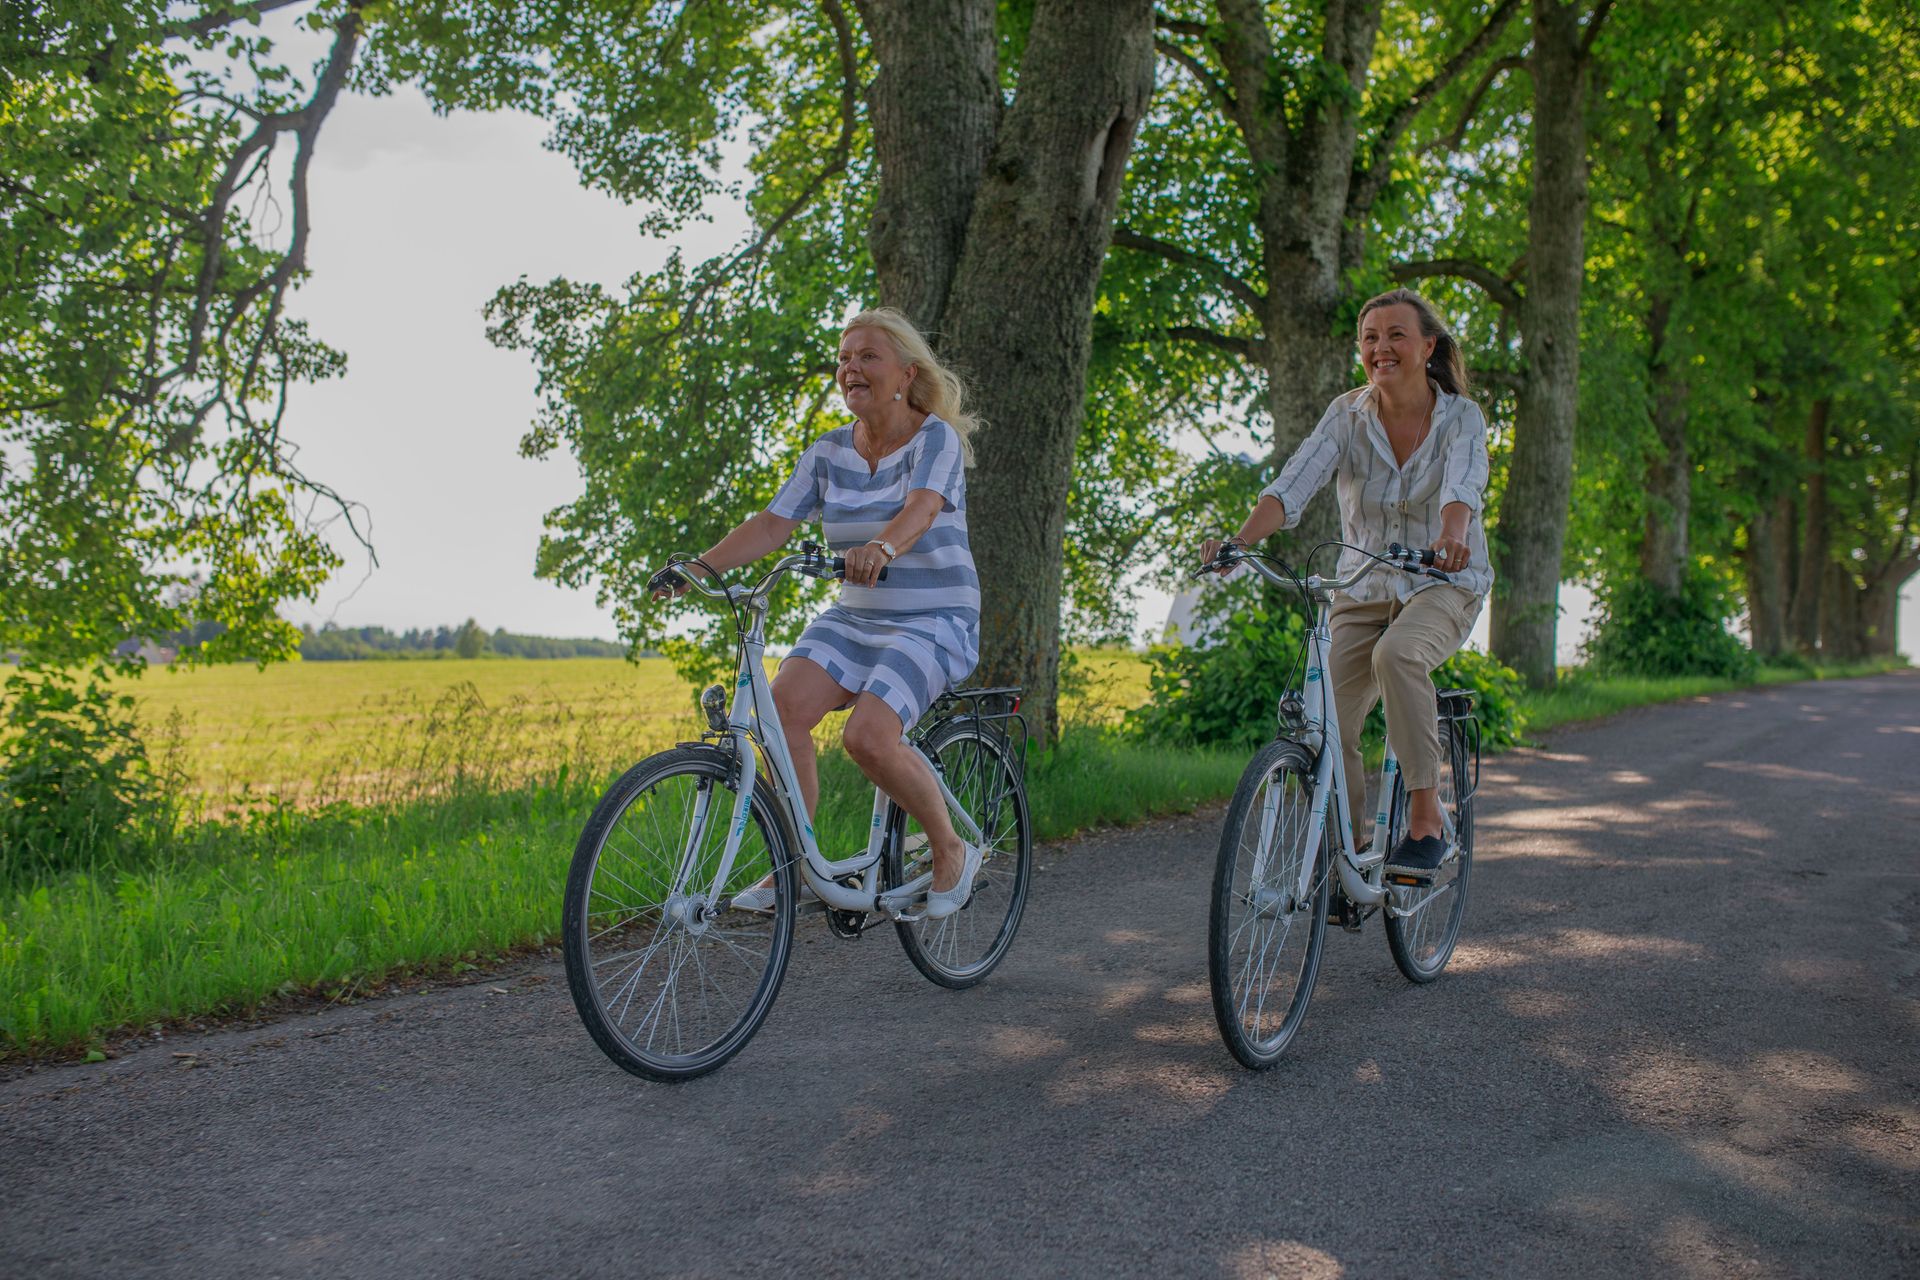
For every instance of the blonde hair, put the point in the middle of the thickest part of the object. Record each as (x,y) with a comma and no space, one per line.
(937,389)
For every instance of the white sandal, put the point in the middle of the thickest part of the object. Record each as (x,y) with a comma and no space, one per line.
(945,902)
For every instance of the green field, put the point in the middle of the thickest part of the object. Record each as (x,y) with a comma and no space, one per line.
(365,733)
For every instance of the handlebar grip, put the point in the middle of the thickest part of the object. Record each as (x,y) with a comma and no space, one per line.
(666,580)
(840,567)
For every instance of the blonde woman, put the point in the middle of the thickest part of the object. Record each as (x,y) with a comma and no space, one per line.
(890,489)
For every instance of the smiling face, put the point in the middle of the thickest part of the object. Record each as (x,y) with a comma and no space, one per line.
(870,371)
(1392,348)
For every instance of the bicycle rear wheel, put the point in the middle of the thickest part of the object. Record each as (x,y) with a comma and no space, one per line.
(1264,936)
(671,984)
(985,777)
(1422,943)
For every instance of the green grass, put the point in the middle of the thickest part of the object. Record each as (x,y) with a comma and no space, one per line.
(1580,697)
(293,895)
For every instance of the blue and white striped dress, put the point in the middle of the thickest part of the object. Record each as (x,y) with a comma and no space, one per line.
(910,638)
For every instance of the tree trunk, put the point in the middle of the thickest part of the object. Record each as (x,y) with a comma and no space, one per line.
(1811,575)
(1843,632)
(1533,511)
(1019,315)
(1663,546)
(935,107)
(1309,362)
(1768,554)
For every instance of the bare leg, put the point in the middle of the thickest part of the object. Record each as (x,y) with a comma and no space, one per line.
(803,693)
(873,740)
(1423,813)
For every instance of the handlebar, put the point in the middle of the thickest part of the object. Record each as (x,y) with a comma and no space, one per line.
(1417,562)
(812,561)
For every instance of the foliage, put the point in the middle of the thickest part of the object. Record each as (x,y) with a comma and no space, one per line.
(470,641)
(75,771)
(1644,631)
(357,644)
(1226,690)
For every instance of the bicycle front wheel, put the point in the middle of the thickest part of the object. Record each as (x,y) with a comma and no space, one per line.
(981,771)
(1423,942)
(1269,917)
(670,979)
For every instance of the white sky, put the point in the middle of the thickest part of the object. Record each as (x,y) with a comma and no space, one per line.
(417,220)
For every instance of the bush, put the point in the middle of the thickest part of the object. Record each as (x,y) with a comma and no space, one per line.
(1226,692)
(74,774)
(1643,631)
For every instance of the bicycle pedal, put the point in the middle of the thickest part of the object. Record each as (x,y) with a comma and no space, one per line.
(1407,879)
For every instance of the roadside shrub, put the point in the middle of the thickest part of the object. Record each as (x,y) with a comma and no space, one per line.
(1225,692)
(1498,705)
(74,773)
(1645,632)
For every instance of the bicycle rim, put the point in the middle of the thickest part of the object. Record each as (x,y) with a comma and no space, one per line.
(979,768)
(667,989)
(1264,935)
(1423,943)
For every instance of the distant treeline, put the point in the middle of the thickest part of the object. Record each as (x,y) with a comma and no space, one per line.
(360,644)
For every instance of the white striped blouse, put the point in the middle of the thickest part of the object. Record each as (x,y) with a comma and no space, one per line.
(935,575)
(1383,502)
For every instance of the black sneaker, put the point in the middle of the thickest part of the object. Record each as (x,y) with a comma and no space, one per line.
(1416,861)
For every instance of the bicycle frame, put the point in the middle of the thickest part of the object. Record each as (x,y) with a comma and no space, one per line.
(1320,733)
(754,717)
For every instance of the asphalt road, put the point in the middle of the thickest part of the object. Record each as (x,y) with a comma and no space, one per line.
(1679,1039)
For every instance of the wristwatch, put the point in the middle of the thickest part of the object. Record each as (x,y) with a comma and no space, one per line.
(886,548)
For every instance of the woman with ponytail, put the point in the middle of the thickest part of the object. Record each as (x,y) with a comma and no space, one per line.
(1410,450)
(890,491)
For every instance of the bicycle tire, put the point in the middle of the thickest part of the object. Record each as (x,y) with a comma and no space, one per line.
(981,770)
(1422,944)
(1254,903)
(630,828)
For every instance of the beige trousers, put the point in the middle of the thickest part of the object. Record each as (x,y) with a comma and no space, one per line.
(1389,649)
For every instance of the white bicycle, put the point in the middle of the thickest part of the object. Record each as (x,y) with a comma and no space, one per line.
(669,976)
(1287,861)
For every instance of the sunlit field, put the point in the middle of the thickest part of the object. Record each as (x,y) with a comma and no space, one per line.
(314,733)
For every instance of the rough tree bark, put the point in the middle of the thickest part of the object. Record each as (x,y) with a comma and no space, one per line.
(1011,296)
(1664,547)
(1533,510)
(1804,616)
(1769,582)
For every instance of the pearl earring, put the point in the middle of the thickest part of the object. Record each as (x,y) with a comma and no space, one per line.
(896,395)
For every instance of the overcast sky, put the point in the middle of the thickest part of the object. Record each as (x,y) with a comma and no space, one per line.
(417,220)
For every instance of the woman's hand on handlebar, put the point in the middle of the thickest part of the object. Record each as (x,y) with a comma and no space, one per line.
(1210,551)
(1450,555)
(864,564)
(670,583)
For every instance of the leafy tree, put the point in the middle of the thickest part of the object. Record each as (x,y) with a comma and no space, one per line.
(144,365)
(960,160)
(472,641)
(1269,161)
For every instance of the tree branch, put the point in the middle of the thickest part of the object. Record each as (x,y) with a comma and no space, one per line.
(1594,23)
(1490,283)
(1215,271)
(1453,139)
(1248,349)
(215,19)
(1370,179)
(1221,95)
